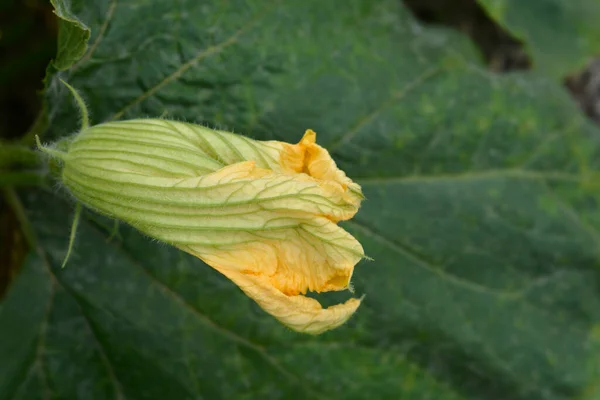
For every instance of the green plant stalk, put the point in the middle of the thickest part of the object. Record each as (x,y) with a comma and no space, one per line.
(21,178)
(17,155)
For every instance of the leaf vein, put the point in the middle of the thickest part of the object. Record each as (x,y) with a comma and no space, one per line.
(422,263)
(109,15)
(396,96)
(231,335)
(186,66)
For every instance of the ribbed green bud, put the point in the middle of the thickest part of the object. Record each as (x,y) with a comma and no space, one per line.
(263,213)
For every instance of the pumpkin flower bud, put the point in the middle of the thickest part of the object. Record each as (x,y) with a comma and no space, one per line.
(263,213)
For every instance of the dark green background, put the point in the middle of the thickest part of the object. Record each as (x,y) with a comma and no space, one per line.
(481,215)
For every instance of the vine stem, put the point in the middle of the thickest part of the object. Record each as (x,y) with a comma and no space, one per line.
(20,178)
(13,201)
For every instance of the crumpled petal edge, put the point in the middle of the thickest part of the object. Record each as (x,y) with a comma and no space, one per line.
(300,313)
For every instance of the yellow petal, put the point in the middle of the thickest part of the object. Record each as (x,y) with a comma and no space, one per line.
(295,251)
(299,313)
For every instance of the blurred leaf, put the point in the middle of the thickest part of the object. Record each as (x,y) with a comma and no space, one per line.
(481,215)
(561,36)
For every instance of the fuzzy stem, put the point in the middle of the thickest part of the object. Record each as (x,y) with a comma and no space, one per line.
(73,233)
(85,120)
(51,152)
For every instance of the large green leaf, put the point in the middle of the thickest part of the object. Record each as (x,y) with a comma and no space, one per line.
(560,36)
(481,215)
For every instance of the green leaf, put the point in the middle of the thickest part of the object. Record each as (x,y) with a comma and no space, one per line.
(73,34)
(560,36)
(481,214)
(23,333)
(168,326)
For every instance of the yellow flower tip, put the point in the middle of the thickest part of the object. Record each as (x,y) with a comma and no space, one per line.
(310,137)
(300,313)
(315,161)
